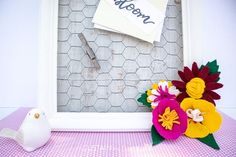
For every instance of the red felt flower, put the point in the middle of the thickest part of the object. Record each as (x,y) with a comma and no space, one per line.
(198,83)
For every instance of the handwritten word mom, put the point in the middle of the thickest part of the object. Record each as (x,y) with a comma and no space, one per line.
(125,4)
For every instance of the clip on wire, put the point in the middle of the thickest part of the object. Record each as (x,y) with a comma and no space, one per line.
(89,51)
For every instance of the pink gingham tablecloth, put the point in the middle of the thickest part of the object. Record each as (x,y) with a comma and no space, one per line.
(125,144)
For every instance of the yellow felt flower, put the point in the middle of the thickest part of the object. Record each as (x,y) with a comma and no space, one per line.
(195,88)
(203,119)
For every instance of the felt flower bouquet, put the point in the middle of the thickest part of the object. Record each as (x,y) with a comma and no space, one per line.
(186,107)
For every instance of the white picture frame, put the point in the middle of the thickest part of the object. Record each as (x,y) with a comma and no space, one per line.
(47,81)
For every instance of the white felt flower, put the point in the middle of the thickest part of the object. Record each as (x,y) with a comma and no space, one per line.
(160,91)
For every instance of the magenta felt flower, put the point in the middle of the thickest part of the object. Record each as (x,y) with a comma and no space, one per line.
(169,119)
(160,91)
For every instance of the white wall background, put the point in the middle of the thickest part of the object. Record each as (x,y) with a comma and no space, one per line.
(219,41)
(214,36)
(19,22)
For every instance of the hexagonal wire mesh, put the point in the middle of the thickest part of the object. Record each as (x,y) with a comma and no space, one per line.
(128,66)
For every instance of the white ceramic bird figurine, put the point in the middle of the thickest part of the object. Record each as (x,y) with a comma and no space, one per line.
(34,132)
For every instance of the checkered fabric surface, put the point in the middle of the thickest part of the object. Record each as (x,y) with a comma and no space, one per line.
(126,144)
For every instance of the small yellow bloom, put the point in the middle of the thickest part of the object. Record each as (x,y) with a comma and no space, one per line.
(149,92)
(169,84)
(195,88)
(155,86)
(211,118)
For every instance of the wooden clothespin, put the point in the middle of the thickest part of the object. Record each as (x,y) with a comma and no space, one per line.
(89,51)
(177,1)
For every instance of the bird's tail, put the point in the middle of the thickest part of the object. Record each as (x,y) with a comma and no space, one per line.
(9,133)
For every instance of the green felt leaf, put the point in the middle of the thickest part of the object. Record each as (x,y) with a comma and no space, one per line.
(210,141)
(143,100)
(156,137)
(213,67)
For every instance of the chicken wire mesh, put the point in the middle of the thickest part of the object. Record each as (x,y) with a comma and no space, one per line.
(129,66)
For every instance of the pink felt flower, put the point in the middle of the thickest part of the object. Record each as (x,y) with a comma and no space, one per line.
(160,91)
(169,119)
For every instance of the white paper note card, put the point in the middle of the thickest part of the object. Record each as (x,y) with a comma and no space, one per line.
(142,19)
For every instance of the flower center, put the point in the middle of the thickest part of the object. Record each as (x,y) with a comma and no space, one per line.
(169,118)
(195,87)
(195,115)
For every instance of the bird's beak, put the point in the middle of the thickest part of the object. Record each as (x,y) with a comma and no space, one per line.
(36,115)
